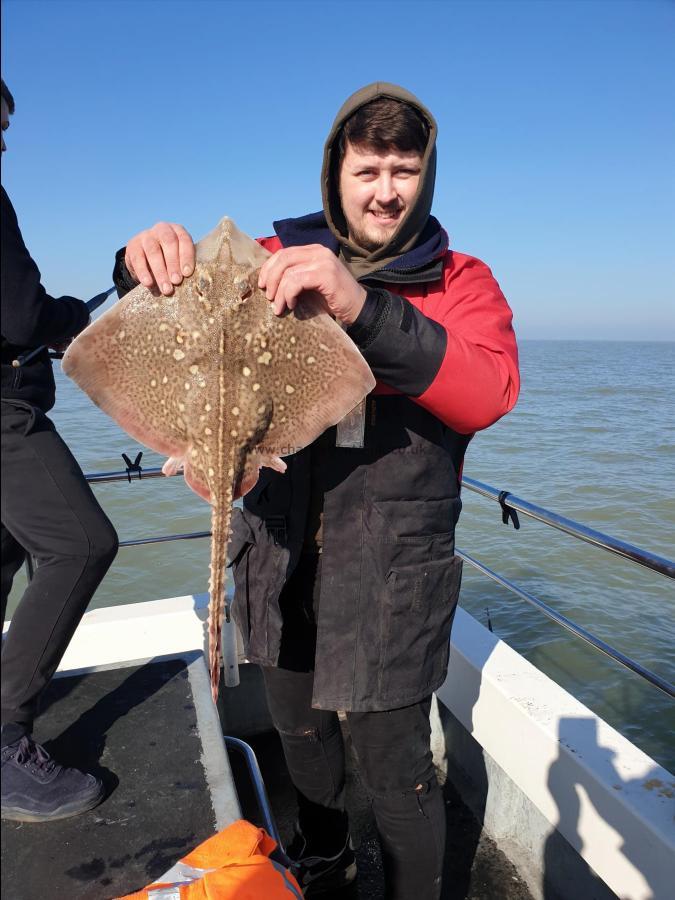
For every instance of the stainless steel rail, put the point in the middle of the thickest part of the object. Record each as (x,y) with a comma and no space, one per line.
(634,554)
(258,785)
(164,538)
(597,538)
(105,477)
(577,630)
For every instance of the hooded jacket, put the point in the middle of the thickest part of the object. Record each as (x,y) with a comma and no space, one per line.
(436,332)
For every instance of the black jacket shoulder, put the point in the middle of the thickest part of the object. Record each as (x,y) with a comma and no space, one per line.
(30,317)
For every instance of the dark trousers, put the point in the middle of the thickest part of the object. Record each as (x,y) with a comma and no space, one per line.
(394,757)
(49,512)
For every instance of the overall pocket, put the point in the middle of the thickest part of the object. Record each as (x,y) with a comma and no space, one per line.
(19,417)
(241,538)
(410,532)
(418,606)
(259,564)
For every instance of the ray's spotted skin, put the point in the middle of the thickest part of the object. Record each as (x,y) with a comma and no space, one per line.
(213,379)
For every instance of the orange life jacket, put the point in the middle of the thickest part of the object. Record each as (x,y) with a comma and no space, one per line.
(234,864)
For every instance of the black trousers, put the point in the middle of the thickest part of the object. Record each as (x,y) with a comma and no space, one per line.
(50,512)
(394,757)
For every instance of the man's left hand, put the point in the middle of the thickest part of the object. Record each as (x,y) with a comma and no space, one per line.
(314,269)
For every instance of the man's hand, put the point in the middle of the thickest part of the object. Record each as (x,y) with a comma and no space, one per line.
(160,257)
(315,269)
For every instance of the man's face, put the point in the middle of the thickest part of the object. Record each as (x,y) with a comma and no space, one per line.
(376,191)
(5,120)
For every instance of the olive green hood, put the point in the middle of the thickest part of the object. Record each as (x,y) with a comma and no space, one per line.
(362,262)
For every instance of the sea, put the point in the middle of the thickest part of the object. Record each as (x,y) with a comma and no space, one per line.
(592,438)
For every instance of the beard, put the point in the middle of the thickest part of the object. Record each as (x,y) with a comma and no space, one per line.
(372,238)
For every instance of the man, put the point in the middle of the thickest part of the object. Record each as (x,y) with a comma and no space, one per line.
(346,579)
(49,512)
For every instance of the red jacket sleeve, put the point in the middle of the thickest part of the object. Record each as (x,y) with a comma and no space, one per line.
(478,380)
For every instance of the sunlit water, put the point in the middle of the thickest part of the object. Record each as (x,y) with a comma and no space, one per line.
(591,439)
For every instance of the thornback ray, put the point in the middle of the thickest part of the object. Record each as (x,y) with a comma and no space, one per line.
(213,379)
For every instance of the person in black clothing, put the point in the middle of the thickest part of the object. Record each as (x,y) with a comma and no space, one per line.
(49,512)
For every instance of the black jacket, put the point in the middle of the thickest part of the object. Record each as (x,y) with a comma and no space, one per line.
(30,318)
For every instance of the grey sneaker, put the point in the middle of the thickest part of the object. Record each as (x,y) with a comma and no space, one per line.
(322,875)
(35,788)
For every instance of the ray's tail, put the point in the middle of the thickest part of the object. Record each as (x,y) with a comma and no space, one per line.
(221,512)
(220,526)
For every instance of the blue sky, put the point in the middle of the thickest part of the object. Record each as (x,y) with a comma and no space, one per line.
(556,134)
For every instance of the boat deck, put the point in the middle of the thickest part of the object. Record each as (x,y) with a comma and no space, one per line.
(166,792)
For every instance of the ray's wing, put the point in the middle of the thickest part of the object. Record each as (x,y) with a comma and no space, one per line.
(154,363)
(131,362)
(328,377)
(300,374)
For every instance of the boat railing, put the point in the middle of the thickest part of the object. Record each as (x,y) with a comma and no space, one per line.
(510,505)
(597,538)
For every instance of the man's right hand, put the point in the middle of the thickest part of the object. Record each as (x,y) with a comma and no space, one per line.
(161,257)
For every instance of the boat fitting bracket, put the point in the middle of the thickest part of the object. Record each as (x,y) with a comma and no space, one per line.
(134,466)
(507,511)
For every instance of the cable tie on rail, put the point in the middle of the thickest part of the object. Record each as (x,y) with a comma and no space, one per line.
(134,466)
(507,511)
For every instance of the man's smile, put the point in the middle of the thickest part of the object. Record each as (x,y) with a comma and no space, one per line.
(385,216)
